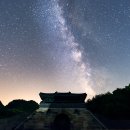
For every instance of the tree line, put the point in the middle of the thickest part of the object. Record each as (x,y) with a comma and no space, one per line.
(16,107)
(115,105)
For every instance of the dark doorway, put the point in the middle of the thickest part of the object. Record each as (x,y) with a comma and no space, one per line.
(61,122)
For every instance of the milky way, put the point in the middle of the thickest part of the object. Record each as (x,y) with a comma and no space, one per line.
(68,45)
(72,54)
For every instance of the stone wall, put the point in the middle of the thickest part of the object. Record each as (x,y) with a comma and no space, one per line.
(80,119)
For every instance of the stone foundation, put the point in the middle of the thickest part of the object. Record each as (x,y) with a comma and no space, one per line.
(80,119)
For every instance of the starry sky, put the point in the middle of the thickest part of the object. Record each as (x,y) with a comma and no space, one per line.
(63,45)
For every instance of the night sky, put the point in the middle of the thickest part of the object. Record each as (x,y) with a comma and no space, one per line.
(63,45)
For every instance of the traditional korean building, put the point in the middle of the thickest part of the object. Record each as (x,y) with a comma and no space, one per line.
(62,111)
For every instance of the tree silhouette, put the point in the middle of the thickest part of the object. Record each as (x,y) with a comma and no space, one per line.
(114,105)
(22,105)
(1,106)
(17,107)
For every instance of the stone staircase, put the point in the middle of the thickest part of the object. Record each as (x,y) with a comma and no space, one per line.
(43,121)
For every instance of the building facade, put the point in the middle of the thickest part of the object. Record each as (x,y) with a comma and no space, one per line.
(62,111)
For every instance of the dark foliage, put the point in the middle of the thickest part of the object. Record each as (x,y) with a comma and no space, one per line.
(17,107)
(115,105)
(22,105)
(1,106)
(4,112)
